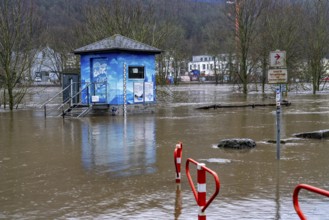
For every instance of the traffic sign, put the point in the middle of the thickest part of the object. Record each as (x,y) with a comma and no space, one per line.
(277,76)
(278,59)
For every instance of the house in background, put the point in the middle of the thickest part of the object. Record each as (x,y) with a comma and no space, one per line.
(45,67)
(117,71)
(206,65)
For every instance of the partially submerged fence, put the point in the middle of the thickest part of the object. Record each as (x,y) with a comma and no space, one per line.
(200,193)
(308,188)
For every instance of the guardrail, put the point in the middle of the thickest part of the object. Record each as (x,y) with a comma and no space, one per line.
(308,188)
(178,160)
(69,101)
(44,105)
(71,106)
(200,194)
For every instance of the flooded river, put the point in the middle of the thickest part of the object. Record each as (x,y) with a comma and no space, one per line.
(104,167)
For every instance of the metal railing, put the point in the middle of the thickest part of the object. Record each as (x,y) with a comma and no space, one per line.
(44,105)
(308,188)
(68,102)
(71,106)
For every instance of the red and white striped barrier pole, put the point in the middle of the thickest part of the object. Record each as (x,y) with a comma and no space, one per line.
(200,193)
(178,160)
(202,189)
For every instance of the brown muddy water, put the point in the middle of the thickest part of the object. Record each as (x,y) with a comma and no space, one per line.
(104,167)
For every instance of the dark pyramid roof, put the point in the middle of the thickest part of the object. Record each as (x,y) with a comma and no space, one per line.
(117,42)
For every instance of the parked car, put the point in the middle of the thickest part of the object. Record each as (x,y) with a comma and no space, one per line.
(37,79)
(194,78)
(325,79)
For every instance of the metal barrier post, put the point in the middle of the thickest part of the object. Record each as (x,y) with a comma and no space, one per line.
(71,92)
(200,195)
(202,190)
(178,160)
(87,91)
(309,188)
(124,91)
(45,111)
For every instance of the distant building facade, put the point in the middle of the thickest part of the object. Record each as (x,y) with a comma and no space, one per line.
(208,65)
(203,63)
(45,66)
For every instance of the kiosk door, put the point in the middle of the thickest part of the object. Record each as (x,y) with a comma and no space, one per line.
(73,80)
(99,80)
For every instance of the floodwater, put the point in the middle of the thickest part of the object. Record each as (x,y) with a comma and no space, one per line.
(105,167)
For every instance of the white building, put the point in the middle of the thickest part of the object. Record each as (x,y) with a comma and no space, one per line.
(206,64)
(46,65)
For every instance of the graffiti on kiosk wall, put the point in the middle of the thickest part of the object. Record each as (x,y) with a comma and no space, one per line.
(99,67)
(99,79)
(107,72)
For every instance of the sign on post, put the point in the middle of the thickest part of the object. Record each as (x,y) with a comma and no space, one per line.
(278,59)
(277,76)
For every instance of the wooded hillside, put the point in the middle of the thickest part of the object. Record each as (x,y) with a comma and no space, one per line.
(245,30)
(67,20)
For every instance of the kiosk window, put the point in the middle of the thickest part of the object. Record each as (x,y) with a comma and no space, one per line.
(136,72)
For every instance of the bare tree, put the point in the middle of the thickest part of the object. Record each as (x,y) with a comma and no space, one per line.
(316,15)
(244,23)
(131,18)
(279,29)
(57,37)
(16,48)
(173,41)
(139,21)
(219,39)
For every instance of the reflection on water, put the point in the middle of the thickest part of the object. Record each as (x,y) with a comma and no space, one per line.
(111,168)
(178,201)
(119,147)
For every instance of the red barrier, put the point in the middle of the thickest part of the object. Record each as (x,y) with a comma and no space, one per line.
(200,195)
(309,188)
(178,160)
